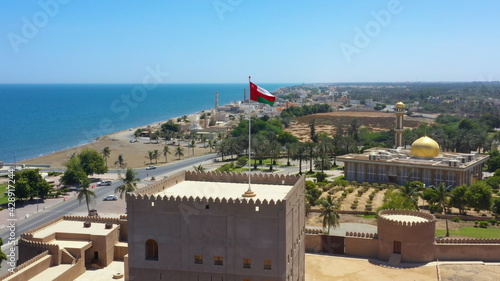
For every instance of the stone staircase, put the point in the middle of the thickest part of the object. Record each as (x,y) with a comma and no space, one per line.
(394,260)
(67,257)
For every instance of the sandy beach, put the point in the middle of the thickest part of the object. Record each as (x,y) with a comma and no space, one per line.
(134,154)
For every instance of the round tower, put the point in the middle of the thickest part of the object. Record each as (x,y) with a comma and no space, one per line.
(408,233)
(399,110)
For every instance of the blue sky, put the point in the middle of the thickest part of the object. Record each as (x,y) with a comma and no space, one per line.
(224,41)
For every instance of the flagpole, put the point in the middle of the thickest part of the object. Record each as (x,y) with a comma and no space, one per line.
(249,192)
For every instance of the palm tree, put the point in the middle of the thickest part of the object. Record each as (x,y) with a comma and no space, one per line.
(199,168)
(85,193)
(179,152)
(411,190)
(311,154)
(274,152)
(137,133)
(192,144)
(105,153)
(120,162)
(329,214)
(129,182)
(300,154)
(441,197)
(150,156)
(166,150)
(156,154)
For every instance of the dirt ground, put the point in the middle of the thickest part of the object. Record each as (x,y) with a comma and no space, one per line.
(324,267)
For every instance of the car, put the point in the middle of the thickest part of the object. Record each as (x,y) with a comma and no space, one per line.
(132,141)
(110,198)
(151,168)
(101,183)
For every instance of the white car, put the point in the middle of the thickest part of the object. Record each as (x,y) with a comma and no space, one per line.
(110,198)
(151,168)
(101,183)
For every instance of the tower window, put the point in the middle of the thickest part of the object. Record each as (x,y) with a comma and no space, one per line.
(151,250)
(218,260)
(198,259)
(247,263)
(267,264)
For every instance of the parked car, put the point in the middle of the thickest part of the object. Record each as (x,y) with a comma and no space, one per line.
(151,168)
(110,198)
(104,183)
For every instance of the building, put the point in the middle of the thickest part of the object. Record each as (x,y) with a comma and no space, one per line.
(423,162)
(62,249)
(204,226)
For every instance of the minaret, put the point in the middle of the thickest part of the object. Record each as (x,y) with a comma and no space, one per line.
(244,94)
(399,110)
(216,100)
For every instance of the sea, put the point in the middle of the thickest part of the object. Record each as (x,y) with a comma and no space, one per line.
(38,119)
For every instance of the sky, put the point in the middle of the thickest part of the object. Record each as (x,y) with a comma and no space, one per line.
(225,41)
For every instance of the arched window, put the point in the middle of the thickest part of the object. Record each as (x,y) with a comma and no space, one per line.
(151,250)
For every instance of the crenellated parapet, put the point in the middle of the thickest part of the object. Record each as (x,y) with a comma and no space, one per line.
(26,264)
(313,231)
(95,219)
(361,235)
(162,184)
(259,178)
(388,217)
(204,199)
(466,241)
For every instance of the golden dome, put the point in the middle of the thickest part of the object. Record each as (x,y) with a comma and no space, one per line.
(400,105)
(425,147)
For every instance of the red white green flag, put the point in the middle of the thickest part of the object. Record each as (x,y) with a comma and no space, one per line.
(261,95)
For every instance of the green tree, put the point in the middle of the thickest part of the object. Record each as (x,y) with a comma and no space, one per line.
(3,257)
(274,153)
(120,162)
(395,200)
(92,162)
(496,206)
(479,196)
(179,152)
(29,183)
(150,156)
(137,133)
(85,193)
(156,155)
(130,181)
(300,153)
(74,173)
(459,198)
(329,213)
(105,153)
(411,191)
(166,151)
(442,197)
(199,168)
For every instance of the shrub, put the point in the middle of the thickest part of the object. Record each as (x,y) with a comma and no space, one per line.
(455,219)
(321,177)
(493,221)
(344,194)
(483,224)
(476,223)
(383,186)
(153,178)
(375,184)
(350,189)
(365,183)
(354,206)
(50,174)
(355,183)
(360,192)
(371,196)
(368,207)
(242,161)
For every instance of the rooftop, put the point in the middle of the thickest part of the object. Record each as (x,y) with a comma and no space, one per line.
(66,226)
(226,190)
(405,218)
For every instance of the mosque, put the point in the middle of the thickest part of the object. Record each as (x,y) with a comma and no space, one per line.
(422,162)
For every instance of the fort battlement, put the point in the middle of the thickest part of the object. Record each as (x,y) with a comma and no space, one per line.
(96,219)
(25,264)
(466,241)
(384,217)
(361,235)
(191,199)
(231,177)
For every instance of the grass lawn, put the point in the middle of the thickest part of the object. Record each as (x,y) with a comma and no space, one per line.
(473,232)
(3,197)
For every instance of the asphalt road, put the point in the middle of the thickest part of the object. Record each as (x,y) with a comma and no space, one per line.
(72,204)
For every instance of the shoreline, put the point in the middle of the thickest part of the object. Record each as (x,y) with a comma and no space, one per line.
(136,152)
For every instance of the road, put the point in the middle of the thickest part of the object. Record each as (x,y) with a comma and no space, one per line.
(73,205)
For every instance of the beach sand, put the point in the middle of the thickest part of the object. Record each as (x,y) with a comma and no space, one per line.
(134,154)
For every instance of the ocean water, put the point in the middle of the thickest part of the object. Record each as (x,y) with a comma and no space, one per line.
(37,119)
